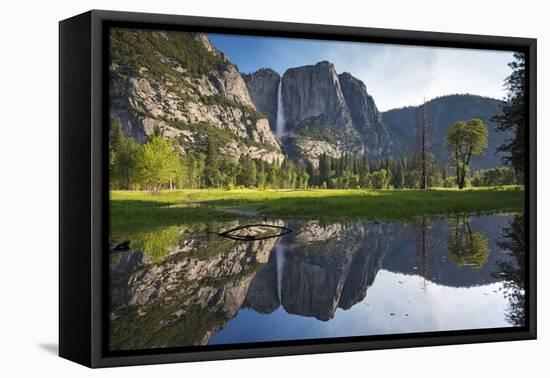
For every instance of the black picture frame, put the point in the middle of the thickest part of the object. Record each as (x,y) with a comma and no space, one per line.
(83,195)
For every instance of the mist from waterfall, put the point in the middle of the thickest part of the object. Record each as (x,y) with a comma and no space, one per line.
(280,126)
(280,254)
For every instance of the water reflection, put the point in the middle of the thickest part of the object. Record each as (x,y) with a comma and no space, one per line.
(467,248)
(512,271)
(322,280)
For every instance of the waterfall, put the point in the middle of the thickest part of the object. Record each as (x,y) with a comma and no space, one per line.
(280,127)
(280,253)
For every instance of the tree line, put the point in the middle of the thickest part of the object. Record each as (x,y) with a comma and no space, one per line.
(158,164)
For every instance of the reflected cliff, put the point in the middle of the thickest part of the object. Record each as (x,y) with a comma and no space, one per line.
(187,295)
(322,280)
(320,268)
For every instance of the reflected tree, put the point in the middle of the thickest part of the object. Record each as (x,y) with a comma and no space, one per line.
(512,240)
(467,248)
(423,245)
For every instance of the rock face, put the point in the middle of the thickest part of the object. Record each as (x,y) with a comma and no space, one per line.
(313,92)
(263,86)
(324,112)
(365,116)
(184,88)
(443,112)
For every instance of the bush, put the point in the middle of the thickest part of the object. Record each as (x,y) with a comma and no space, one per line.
(494,177)
(449,182)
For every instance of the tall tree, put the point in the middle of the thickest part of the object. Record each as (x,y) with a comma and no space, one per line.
(247,174)
(424,143)
(123,153)
(273,176)
(116,140)
(212,174)
(261,180)
(512,118)
(312,173)
(399,176)
(157,163)
(324,169)
(466,139)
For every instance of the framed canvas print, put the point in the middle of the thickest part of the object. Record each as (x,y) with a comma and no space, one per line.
(233,188)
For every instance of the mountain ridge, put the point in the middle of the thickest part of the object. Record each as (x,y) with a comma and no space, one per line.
(443,112)
(180,85)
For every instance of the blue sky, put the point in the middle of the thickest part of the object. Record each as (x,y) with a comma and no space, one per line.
(395,75)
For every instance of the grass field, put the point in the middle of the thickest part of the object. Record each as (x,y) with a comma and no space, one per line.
(140,211)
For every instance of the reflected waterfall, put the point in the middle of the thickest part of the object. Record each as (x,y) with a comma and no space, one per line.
(280,253)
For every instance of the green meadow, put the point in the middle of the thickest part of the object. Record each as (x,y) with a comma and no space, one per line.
(139,211)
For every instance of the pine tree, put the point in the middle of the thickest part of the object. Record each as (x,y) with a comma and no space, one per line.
(399,176)
(212,174)
(261,180)
(273,176)
(324,169)
(512,118)
(247,173)
(312,174)
(123,153)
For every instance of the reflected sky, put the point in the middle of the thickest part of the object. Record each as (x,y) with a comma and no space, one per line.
(415,303)
(186,286)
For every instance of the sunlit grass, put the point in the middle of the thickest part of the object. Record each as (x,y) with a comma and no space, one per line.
(133,211)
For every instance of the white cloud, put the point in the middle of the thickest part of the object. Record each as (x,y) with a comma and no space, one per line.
(398,75)
(395,75)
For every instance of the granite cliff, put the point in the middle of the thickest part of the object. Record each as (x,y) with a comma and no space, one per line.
(179,85)
(263,86)
(324,112)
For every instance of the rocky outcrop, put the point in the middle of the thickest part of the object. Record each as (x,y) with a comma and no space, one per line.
(188,100)
(311,148)
(263,86)
(312,91)
(365,116)
(203,39)
(325,113)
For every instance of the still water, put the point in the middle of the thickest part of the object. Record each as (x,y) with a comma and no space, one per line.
(189,286)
